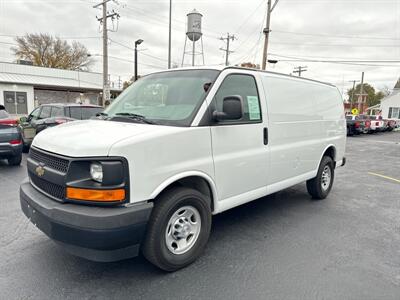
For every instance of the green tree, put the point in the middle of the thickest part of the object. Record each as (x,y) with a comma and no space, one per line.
(47,51)
(373,97)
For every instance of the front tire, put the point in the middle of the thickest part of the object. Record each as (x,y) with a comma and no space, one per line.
(178,229)
(320,186)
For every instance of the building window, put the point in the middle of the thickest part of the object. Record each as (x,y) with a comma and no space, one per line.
(394,112)
(16,102)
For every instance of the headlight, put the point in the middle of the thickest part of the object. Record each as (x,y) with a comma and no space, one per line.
(96,172)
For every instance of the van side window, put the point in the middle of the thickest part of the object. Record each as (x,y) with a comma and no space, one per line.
(245,86)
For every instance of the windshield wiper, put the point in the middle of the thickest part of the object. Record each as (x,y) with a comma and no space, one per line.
(136,117)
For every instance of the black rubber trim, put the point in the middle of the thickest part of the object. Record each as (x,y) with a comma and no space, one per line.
(100,228)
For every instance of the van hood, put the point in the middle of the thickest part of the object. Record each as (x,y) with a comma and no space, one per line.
(89,138)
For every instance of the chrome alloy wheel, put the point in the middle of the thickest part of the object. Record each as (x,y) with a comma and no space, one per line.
(326,178)
(183,230)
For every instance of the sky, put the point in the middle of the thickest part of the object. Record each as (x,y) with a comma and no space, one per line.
(358,35)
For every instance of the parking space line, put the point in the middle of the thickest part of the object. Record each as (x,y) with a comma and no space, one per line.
(384,176)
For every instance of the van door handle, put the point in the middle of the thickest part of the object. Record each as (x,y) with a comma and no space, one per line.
(265,136)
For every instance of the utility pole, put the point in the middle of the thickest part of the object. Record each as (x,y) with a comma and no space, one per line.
(266,31)
(227,51)
(103,21)
(300,70)
(169,36)
(352,93)
(361,92)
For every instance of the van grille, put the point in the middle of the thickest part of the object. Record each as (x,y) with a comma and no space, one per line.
(58,166)
(51,161)
(49,188)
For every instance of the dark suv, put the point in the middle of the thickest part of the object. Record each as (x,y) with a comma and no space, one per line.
(49,115)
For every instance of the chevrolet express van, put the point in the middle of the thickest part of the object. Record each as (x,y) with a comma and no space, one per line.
(175,148)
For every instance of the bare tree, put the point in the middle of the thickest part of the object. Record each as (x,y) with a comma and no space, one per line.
(47,51)
(386,90)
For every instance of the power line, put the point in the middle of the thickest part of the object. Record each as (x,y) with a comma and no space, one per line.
(130,48)
(255,47)
(132,61)
(344,62)
(158,17)
(157,21)
(339,36)
(249,17)
(336,45)
(61,37)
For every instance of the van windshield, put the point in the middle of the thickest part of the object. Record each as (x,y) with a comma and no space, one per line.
(168,98)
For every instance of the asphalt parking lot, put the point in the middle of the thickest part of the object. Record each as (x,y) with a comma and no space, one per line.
(283,246)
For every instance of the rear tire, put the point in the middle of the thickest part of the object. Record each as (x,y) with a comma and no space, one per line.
(320,186)
(178,229)
(15,160)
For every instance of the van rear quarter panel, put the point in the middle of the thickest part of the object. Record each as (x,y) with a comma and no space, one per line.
(305,117)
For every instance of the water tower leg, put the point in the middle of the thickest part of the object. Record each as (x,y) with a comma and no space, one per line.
(202,49)
(184,50)
(193,54)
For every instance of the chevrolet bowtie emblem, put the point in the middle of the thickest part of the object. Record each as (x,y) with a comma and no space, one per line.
(39,171)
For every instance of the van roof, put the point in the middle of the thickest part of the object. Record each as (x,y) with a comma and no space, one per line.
(222,68)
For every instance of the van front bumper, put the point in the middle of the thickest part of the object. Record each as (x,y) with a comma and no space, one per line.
(93,232)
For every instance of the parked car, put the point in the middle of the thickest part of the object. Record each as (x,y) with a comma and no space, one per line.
(10,139)
(357,125)
(175,148)
(377,123)
(49,115)
(391,125)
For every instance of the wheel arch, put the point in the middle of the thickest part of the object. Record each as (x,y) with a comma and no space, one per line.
(330,151)
(192,179)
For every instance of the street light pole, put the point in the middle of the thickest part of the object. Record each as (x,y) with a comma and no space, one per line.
(138,42)
(169,36)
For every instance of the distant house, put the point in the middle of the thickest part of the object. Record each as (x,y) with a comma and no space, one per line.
(390,105)
(23,87)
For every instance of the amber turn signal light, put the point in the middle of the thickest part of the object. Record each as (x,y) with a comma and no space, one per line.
(96,195)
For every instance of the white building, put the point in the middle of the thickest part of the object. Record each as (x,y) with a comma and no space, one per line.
(390,105)
(23,87)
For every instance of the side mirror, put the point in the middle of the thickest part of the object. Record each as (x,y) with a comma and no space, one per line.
(23,119)
(232,109)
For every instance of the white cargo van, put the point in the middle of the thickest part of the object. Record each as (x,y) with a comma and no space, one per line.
(174,149)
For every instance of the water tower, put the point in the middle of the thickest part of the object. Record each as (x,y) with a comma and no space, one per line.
(193,34)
